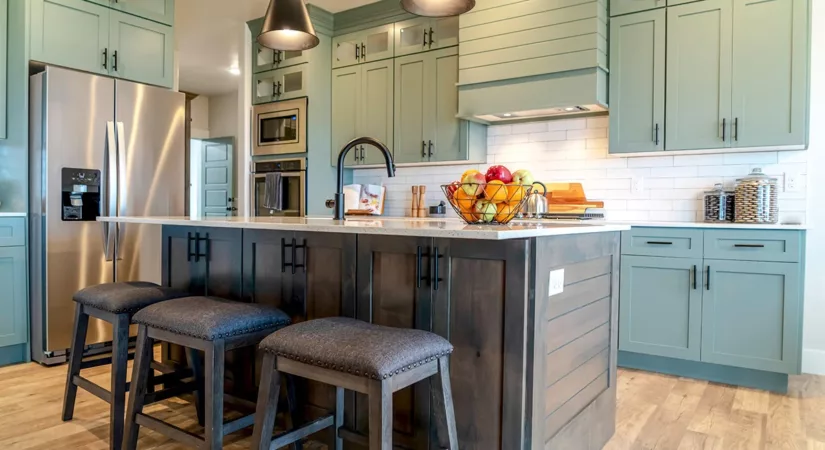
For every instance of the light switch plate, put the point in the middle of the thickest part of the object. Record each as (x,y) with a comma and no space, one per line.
(637,185)
(791,182)
(556,282)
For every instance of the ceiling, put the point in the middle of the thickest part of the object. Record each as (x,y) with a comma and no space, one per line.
(209,39)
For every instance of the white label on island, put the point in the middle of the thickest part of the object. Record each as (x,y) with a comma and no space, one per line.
(556,282)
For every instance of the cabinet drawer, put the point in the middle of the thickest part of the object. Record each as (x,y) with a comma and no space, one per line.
(669,242)
(12,232)
(753,245)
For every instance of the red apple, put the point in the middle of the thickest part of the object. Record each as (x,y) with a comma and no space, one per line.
(452,187)
(499,173)
(473,183)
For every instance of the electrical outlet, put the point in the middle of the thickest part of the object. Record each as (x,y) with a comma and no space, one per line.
(556,282)
(791,182)
(637,185)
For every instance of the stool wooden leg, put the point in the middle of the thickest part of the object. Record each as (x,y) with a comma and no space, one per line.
(294,408)
(195,360)
(214,395)
(443,405)
(120,359)
(81,324)
(267,407)
(380,399)
(137,392)
(339,417)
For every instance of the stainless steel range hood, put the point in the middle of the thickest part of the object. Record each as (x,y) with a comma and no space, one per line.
(532,60)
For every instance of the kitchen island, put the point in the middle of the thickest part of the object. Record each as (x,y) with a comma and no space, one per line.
(534,365)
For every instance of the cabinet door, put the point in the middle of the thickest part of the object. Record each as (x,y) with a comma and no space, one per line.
(377,107)
(618,7)
(480,307)
(699,39)
(637,82)
(412,36)
(443,108)
(770,49)
(444,32)
(378,43)
(142,50)
(162,11)
(293,82)
(346,50)
(290,58)
(263,59)
(393,290)
(660,306)
(411,101)
(221,263)
(71,33)
(266,279)
(264,87)
(14,297)
(751,315)
(346,98)
(180,270)
(4,27)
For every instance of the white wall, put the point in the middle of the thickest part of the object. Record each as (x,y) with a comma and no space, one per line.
(813,358)
(575,149)
(200,117)
(223,115)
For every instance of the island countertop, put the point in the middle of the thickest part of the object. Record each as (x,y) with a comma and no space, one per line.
(436,228)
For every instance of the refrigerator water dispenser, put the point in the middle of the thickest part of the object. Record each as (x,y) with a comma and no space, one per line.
(81,194)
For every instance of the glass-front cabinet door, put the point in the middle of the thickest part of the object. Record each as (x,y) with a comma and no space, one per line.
(378,43)
(346,50)
(444,32)
(412,36)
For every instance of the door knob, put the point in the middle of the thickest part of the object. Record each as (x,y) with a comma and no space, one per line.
(231,208)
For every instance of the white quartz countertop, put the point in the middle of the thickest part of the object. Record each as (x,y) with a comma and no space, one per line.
(442,228)
(12,214)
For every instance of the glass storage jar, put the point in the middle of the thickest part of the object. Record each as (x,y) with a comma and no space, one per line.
(757,198)
(719,204)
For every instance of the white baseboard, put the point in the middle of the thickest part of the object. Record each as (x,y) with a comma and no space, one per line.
(813,361)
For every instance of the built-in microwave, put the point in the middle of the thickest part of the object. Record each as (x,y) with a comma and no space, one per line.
(280,128)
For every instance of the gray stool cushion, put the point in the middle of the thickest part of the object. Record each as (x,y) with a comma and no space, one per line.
(126,297)
(210,318)
(356,347)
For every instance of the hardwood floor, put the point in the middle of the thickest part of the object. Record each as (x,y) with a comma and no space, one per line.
(655,412)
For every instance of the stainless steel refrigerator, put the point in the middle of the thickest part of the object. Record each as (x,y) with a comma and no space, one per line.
(98,147)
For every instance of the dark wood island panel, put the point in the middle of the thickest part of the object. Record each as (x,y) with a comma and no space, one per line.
(529,371)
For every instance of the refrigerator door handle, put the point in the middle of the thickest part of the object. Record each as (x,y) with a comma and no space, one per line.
(110,192)
(121,159)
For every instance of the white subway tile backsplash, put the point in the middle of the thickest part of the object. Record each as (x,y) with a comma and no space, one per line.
(575,150)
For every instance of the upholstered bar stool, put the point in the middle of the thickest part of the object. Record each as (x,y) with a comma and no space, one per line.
(355,355)
(213,326)
(114,303)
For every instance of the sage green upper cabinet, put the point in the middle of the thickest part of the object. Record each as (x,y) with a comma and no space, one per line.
(770,72)
(377,107)
(619,7)
(4,27)
(411,102)
(447,128)
(424,34)
(751,314)
(162,11)
(71,33)
(267,59)
(280,84)
(364,46)
(637,82)
(699,41)
(141,50)
(679,2)
(346,97)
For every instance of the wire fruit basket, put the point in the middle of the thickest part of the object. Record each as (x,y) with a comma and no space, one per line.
(486,203)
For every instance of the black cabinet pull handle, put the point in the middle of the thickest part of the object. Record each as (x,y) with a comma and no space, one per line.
(295,248)
(363,51)
(189,240)
(418,256)
(357,52)
(280,57)
(106,58)
(205,253)
(659,243)
(749,245)
(656,134)
(736,129)
(283,255)
(431,37)
(431,149)
(695,276)
(724,129)
(114,61)
(436,278)
(423,149)
(708,277)
(425,38)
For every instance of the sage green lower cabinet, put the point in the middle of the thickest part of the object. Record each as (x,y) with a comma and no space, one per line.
(619,7)
(660,309)
(141,50)
(770,49)
(637,82)
(751,315)
(699,55)
(71,33)
(13,297)
(162,11)
(4,28)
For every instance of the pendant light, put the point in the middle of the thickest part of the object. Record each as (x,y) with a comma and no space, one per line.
(438,8)
(287,26)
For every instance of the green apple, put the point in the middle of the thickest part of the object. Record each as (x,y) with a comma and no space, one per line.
(473,183)
(523,177)
(485,211)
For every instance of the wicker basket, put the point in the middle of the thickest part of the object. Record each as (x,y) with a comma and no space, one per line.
(757,199)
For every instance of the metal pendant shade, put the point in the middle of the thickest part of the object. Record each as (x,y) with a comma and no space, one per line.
(438,8)
(287,26)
